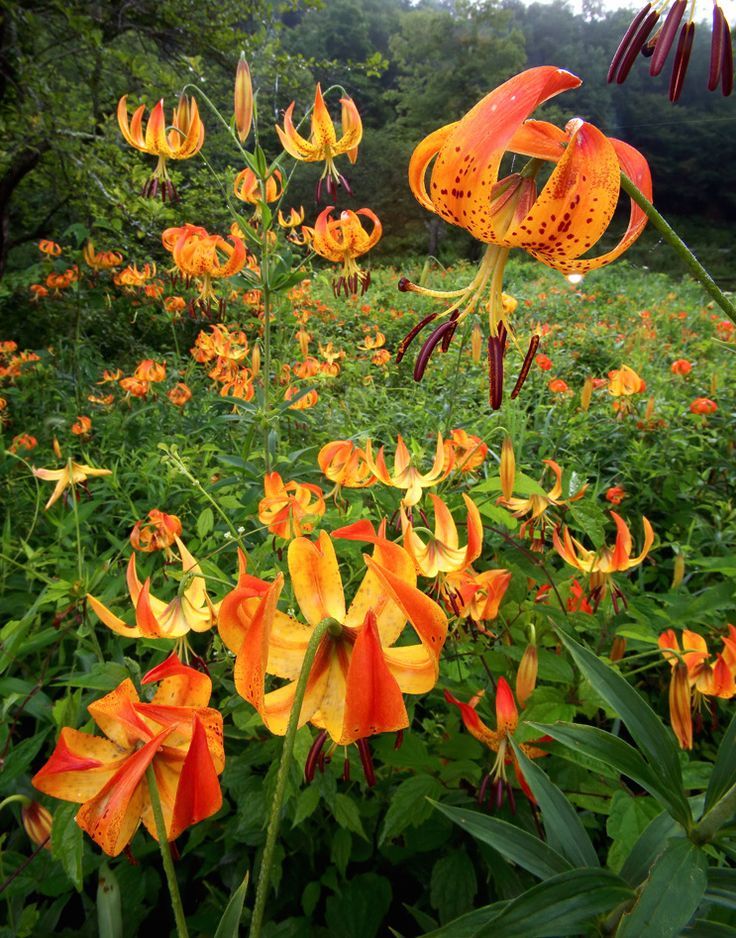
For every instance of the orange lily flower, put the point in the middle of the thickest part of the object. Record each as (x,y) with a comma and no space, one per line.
(681,367)
(207,257)
(442,552)
(149,370)
(356,683)
(304,402)
(556,226)
(248,189)
(536,506)
(467,450)
(184,139)
(158,533)
(477,596)
(176,734)
(323,143)
(49,248)
(135,387)
(289,510)
(190,610)
(131,276)
(345,464)
(703,405)
(82,426)
(293,219)
(600,565)
(624,381)
(180,394)
(405,474)
(70,475)
(694,677)
(101,260)
(371,342)
(507,720)
(343,239)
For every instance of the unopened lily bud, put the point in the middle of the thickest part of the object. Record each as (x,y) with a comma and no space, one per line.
(303,338)
(526,676)
(37,823)
(586,394)
(476,343)
(508,468)
(255,360)
(679,571)
(649,412)
(56,448)
(680,714)
(618,648)
(243,99)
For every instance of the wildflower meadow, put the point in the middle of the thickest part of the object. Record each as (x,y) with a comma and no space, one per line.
(367,541)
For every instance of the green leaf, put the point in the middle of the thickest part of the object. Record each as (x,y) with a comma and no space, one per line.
(340,849)
(467,925)
(109,912)
(670,895)
(641,721)
(409,806)
(648,847)
(560,906)
(19,759)
(565,831)
(347,815)
(702,928)
(609,749)
(721,888)
(512,842)
(205,522)
(66,843)
(306,804)
(628,818)
(724,769)
(453,885)
(360,908)
(229,926)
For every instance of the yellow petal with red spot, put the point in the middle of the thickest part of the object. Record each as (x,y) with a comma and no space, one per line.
(316,580)
(79,767)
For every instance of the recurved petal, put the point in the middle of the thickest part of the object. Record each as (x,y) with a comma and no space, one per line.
(79,767)
(198,794)
(293,142)
(323,130)
(116,717)
(352,129)
(315,578)
(539,139)
(475,531)
(156,141)
(276,705)
(413,668)
(111,620)
(179,685)
(648,541)
(420,160)
(445,529)
(252,656)
(473,723)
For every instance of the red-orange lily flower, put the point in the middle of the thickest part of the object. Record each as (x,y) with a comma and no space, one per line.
(190,610)
(159,532)
(356,684)
(507,720)
(537,505)
(600,565)
(556,226)
(442,552)
(345,464)
(341,240)
(207,257)
(467,450)
(289,509)
(405,474)
(248,189)
(182,140)
(323,143)
(176,734)
(477,596)
(694,676)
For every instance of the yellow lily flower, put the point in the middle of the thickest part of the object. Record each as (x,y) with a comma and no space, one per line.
(341,240)
(442,552)
(190,610)
(536,505)
(405,474)
(323,143)
(73,473)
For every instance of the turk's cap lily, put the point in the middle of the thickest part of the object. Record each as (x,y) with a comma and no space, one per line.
(536,505)
(190,610)
(708,677)
(607,560)
(184,139)
(356,683)
(177,733)
(73,473)
(442,552)
(344,464)
(323,142)
(405,474)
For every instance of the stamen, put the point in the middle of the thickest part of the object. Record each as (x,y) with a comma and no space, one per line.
(346,770)
(318,191)
(129,856)
(716,48)
(496,345)
(413,332)
(667,37)
(425,353)
(635,47)
(682,57)
(499,793)
(531,352)
(399,739)
(313,757)
(623,46)
(481,796)
(512,799)
(345,184)
(447,338)
(367,761)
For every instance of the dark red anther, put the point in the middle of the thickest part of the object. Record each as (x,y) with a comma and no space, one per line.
(318,192)
(200,664)
(667,36)
(623,46)
(313,757)
(430,344)
(727,66)
(346,185)
(512,799)
(367,761)
(528,359)
(398,742)
(404,286)
(450,332)
(481,796)
(635,46)
(412,333)
(153,191)
(721,54)
(129,856)
(346,770)
(495,370)
(682,58)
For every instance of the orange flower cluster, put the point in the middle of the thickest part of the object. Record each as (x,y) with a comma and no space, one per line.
(228,349)
(157,533)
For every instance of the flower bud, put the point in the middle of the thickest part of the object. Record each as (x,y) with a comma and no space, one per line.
(649,412)
(586,394)
(526,676)
(680,715)
(476,343)
(618,648)
(508,468)
(37,823)
(255,360)
(713,384)
(678,571)
(243,99)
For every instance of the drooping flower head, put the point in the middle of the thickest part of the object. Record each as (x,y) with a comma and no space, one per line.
(176,734)
(101,260)
(204,256)
(69,476)
(537,505)
(159,532)
(405,474)
(248,189)
(183,139)
(289,509)
(342,240)
(323,143)
(557,226)
(345,465)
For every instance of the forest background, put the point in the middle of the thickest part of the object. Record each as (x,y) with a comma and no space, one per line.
(66,173)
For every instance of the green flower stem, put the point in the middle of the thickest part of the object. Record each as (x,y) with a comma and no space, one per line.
(163,842)
(274,821)
(680,248)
